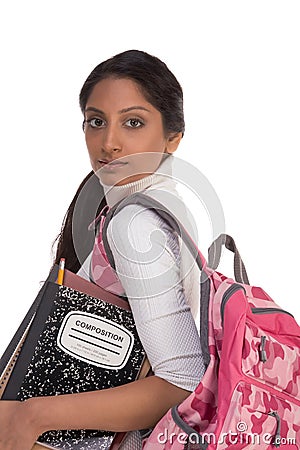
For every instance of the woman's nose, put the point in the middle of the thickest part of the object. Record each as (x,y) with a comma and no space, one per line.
(111,141)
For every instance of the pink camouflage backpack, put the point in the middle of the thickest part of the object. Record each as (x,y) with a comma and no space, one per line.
(249,396)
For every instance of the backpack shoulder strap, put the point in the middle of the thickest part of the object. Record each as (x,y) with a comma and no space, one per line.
(151,203)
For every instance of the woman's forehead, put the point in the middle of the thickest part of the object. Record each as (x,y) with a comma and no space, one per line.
(117,94)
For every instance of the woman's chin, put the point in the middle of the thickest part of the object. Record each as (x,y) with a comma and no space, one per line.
(114,179)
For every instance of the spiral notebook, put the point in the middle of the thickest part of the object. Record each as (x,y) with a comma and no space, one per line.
(80,338)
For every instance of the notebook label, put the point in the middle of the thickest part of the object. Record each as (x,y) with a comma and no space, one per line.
(95,340)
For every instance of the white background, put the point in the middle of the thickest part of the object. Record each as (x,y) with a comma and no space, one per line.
(238,63)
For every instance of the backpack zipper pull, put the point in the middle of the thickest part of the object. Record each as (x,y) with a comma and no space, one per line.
(277,437)
(262,351)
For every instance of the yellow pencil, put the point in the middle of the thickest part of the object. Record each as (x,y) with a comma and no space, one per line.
(61,270)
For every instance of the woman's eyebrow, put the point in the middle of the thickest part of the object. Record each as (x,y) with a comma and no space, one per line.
(122,111)
(96,110)
(125,110)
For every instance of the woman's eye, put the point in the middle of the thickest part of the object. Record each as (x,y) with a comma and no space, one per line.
(95,122)
(134,123)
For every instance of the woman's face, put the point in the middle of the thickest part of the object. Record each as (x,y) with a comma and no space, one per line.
(124,132)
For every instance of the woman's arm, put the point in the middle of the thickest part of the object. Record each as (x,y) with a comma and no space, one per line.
(148,260)
(136,405)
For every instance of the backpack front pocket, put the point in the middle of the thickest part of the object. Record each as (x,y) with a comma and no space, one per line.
(272,362)
(257,419)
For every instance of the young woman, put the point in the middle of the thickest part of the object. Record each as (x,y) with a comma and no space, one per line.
(133,123)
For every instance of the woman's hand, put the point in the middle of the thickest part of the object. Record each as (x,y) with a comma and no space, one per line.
(17,428)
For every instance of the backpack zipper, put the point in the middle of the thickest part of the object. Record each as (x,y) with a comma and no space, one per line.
(262,350)
(270,311)
(234,288)
(277,437)
(227,295)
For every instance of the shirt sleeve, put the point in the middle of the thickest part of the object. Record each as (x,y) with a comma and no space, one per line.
(146,252)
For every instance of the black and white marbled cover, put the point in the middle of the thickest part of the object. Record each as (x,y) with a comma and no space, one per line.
(53,371)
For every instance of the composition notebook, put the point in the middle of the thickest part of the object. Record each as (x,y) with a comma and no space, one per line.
(80,338)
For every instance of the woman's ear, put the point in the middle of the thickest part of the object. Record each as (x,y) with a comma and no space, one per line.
(173,141)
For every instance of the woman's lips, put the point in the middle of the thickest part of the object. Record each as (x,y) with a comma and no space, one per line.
(111,165)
